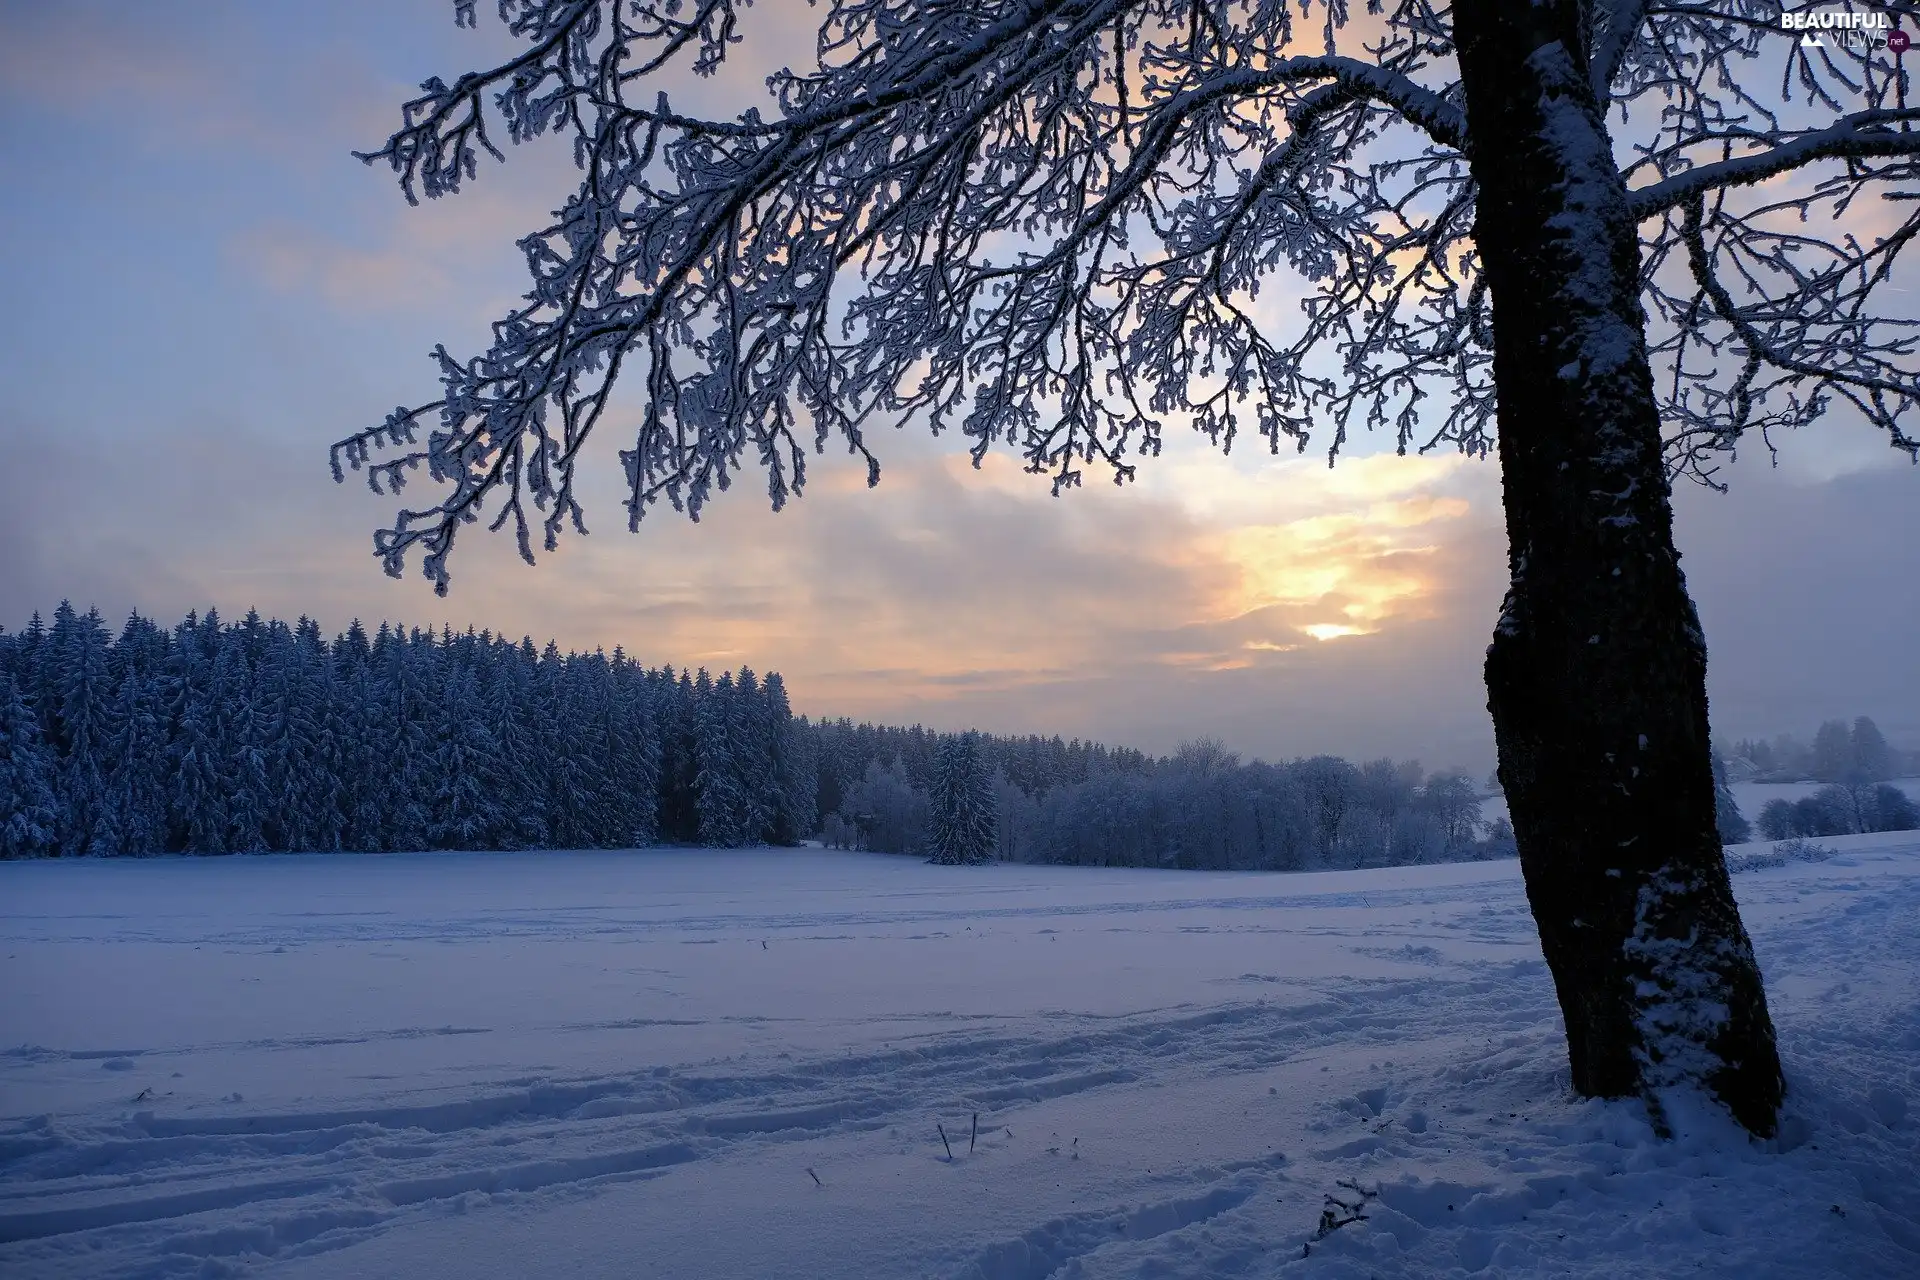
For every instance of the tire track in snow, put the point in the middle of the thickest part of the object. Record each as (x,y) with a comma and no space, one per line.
(1044,1250)
(124,1192)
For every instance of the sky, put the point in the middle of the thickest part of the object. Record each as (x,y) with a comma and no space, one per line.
(205,289)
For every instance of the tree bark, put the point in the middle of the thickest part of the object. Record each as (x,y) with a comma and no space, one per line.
(1596,676)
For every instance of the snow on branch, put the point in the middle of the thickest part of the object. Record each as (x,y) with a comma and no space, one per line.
(1863,135)
(1061,226)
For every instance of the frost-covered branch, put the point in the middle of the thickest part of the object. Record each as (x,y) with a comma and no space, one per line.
(1863,135)
(1617,25)
(1064,225)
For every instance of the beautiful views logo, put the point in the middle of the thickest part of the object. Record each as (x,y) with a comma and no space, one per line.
(1848,28)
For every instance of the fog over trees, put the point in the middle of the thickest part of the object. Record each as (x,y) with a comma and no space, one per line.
(1854,760)
(1839,752)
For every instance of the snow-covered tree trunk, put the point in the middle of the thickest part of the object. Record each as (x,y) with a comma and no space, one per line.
(1597,671)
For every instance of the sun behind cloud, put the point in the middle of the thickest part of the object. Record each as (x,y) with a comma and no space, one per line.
(1360,554)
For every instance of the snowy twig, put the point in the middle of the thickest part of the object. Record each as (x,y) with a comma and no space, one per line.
(1339,1213)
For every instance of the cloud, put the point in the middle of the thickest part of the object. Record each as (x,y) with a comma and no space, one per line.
(225,72)
(443,256)
(960,597)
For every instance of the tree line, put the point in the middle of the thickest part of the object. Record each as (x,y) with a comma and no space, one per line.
(259,736)
(262,737)
(1201,808)
(1857,764)
(1839,753)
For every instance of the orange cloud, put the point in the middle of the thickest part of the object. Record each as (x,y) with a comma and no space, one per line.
(945,584)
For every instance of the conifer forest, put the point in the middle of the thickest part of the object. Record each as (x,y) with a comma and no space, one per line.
(257,736)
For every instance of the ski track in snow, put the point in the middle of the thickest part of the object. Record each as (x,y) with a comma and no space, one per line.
(1170,1073)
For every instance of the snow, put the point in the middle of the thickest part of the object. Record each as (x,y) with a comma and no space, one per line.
(639,1063)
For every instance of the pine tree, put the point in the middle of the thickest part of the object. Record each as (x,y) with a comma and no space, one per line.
(199,793)
(241,737)
(519,771)
(465,812)
(283,755)
(633,753)
(589,742)
(405,742)
(1872,757)
(1726,810)
(136,747)
(720,800)
(313,792)
(793,782)
(29,658)
(360,736)
(1832,752)
(965,818)
(679,806)
(569,798)
(750,743)
(28,819)
(81,695)
(351,647)
(144,651)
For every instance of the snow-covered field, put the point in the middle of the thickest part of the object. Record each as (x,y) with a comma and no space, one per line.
(686,1064)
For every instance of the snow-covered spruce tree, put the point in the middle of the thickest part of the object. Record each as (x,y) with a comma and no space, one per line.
(1727,818)
(567,798)
(750,746)
(199,792)
(680,757)
(721,798)
(581,706)
(316,792)
(29,820)
(277,689)
(464,810)
(964,822)
(794,782)
(362,779)
(136,747)
(510,701)
(80,688)
(634,754)
(1545,228)
(240,732)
